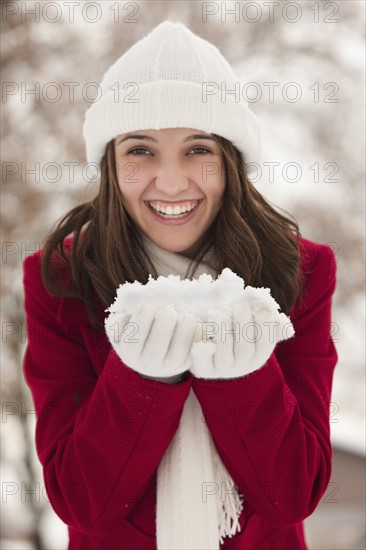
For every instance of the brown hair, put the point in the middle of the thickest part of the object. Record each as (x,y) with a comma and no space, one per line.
(248,235)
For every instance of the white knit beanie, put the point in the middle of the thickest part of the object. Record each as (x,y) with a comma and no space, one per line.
(171,78)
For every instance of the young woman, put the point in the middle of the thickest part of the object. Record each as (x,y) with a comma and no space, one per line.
(210,454)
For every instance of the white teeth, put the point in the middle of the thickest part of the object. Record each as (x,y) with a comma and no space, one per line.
(173,210)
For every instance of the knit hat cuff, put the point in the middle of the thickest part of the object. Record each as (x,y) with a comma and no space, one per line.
(170,104)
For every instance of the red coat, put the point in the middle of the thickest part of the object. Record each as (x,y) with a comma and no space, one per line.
(102,429)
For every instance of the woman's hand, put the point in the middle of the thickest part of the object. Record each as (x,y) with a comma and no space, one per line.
(232,344)
(154,343)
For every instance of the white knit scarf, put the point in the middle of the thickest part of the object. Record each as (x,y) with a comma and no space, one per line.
(198,502)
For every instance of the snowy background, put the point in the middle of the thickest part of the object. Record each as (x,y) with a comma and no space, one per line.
(301,67)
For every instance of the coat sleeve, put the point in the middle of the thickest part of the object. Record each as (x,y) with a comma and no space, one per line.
(271,427)
(99,439)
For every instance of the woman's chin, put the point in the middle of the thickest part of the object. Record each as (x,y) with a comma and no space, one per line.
(183,248)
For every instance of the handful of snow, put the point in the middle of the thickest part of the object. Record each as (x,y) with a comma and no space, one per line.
(196,296)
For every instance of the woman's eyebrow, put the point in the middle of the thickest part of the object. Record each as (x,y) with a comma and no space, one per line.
(198,136)
(136,136)
(151,139)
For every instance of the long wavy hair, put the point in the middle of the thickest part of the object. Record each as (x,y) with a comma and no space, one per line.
(248,235)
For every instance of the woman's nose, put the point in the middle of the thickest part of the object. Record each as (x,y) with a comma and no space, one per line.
(171,180)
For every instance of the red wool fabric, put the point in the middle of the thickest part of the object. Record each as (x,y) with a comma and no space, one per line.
(102,429)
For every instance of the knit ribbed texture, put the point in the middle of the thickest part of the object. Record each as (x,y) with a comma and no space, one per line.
(162,82)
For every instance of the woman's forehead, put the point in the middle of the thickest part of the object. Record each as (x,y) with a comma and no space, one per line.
(184,134)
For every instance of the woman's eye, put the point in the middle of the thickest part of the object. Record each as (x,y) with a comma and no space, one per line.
(139,151)
(201,150)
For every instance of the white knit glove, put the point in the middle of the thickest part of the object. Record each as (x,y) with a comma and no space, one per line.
(153,343)
(232,344)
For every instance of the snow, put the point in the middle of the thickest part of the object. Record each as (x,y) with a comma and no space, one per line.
(196,296)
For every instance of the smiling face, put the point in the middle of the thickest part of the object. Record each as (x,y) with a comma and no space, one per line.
(172,182)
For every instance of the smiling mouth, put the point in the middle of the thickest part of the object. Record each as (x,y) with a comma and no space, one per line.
(173,212)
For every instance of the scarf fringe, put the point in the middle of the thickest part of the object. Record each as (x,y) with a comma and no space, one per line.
(230,503)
